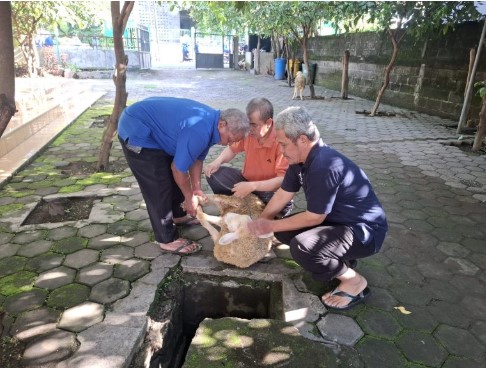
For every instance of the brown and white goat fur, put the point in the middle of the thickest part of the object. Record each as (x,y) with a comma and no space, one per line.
(242,249)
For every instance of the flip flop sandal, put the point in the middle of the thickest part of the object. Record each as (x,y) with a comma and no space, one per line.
(354,299)
(183,245)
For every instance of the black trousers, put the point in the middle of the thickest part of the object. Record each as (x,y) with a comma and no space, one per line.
(151,168)
(223,180)
(322,250)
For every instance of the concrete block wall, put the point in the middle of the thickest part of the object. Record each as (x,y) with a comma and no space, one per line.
(433,81)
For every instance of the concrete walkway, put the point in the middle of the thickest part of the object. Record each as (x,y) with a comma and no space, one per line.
(76,294)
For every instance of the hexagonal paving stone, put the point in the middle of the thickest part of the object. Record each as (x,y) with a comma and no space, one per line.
(55,278)
(17,283)
(135,239)
(473,306)
(68,296)
(91,231)
(404,272)
(69,245)
(131,269)
(34,323)
(421,348)
(462,265)
(11,265)
(380,353)
(148,251)
(341,329)
(50,348)
(81,258)
(104,241)
(478,329)
(122,227)
(61,233)
(379,324)
(44,262)
(5,237)
(435,270)
(455,362)
(137,215)
(416,318)
(116,254)
(25,301)
(8,250)
(109,291)
(382,299)
(95,273)
(35,248)
(459,342)
(28,237)
(453,249)
(80,317)
(409,294)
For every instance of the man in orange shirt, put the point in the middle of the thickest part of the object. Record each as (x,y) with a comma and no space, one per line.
(264,166)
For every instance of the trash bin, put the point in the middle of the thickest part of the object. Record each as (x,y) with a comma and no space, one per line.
(280,68)
(313,68)
(294,65)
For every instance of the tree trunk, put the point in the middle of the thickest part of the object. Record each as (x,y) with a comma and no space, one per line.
(7,67)
(387,72)
(481,133)
(119,21)
(236,53)
(345,79)
(306,62)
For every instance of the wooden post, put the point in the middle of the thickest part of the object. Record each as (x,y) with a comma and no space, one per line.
(467,99)
(472,57)
(345,78)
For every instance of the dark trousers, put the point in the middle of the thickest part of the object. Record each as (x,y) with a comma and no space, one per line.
(323,250)
(163,198)
(223,180)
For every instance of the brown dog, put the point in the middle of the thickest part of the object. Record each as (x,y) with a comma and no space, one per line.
(299,85)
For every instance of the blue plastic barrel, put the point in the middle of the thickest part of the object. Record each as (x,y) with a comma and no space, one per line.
(280,68)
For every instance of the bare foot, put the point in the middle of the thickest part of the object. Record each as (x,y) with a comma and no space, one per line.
(180,246)
(352,283)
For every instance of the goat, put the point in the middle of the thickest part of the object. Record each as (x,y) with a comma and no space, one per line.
(233,244)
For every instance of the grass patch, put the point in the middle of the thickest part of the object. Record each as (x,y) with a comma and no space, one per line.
(10,208)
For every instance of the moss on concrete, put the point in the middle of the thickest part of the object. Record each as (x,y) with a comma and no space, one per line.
(68,296)
(17,283)
(4,209)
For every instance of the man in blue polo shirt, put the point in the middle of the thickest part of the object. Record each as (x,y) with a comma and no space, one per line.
(344,219)
(165,141)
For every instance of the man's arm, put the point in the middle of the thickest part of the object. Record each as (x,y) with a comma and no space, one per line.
(226,156)
(195,173)
(266,223)
(183,181)
(243,188)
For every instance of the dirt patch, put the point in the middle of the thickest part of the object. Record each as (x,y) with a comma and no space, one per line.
(82,167)
(378,113)
(60,210)
(11,351)
(466,146)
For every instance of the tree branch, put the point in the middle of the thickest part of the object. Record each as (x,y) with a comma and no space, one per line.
(125,14)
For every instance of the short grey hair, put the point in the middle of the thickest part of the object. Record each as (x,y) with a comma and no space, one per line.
(262,105)
(237,121)
(296,121)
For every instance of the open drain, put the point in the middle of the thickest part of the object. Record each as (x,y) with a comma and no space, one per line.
(60,210)
(184,302)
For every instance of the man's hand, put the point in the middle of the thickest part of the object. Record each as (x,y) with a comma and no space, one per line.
(190,205)
(260,226)
(242,189)
(211,168)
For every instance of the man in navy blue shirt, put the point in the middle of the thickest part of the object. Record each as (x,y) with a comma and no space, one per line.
(344,219)
(165,141)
